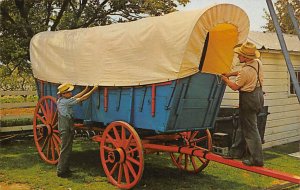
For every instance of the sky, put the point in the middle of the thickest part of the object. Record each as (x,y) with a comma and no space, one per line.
(253,8)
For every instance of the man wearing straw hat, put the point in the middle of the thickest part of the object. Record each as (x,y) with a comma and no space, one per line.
(248,82)
(65,124)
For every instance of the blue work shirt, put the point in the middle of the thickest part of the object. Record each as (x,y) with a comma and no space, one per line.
(64,106)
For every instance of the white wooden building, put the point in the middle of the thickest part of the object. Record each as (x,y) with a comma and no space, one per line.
(283,124)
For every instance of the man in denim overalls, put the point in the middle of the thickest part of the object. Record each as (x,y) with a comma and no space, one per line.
(66,123)
(249,84)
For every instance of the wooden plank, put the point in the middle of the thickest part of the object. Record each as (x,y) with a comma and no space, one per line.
(278,59)
(283,135)
(281,129)
(276,89)
(17,93)
(280,115)
(276,75)
(17,105)
(16,128)
(281,141)
(275,82)
(276,95)
(16,116)
(284,108)
(267,96)
(275,68)
(283,101)
(283,121)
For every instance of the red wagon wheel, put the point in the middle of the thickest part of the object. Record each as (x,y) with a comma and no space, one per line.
(45,129)
(121,155)
(193,164)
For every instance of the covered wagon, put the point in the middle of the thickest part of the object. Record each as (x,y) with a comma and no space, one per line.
(159,86)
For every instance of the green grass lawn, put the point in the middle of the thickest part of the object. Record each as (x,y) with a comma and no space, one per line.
(20,163)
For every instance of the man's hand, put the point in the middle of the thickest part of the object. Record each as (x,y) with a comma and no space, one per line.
(94,88)
(224,78)
(226,74)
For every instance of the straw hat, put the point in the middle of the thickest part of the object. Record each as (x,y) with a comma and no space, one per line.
(247,50)
(66,87)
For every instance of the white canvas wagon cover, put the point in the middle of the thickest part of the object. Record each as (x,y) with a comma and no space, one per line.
(150,50)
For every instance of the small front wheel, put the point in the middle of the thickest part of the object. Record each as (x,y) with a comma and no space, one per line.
(190,163)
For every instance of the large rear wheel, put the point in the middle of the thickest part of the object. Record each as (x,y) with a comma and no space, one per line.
(45,129)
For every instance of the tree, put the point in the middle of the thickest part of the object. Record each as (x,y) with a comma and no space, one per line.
(284,19)
(21,19)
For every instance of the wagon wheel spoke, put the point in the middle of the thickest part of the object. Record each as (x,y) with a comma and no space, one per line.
(45,143)
(186,161)
(46,113)
(123,162)
(111,140)
(192,158)
(55,131)
(136,162)
(202,160)
(190,163)
(41,119)
(132,150)
(116,133)
(107,148)
(129,165)
(127,176)
(40,138)
(48,148)
(128,142)
(179,159)
(120,174)
(56,144)
(55,126)
(57,138)
(54,119)
(114,168)
(52,149)
(194,134)
(200,140)
(123,134)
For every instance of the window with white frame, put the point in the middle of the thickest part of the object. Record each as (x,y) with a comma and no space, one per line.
(292,89)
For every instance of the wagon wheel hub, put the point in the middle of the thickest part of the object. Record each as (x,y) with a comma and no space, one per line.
(49,129)
(117,155)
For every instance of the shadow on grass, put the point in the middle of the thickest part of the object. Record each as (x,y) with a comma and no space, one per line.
(286,148)
(279,151)
(161,174)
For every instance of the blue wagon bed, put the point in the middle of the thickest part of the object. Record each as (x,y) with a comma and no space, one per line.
(187,104)
(159,88)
